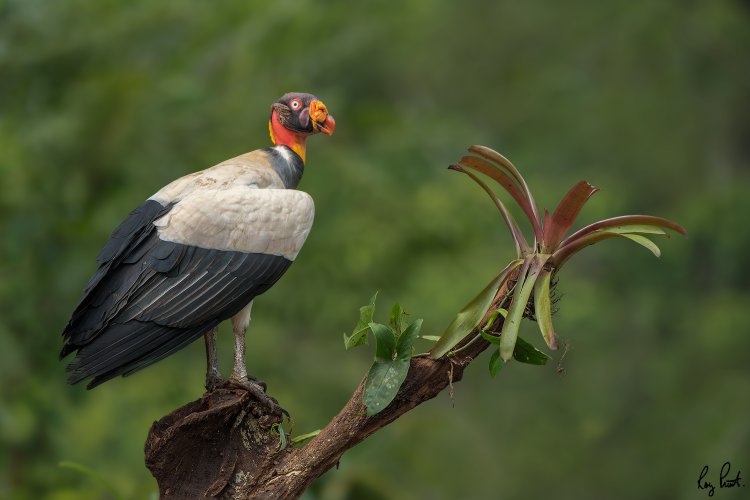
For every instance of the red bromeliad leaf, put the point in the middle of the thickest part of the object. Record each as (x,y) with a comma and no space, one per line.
(530,210)
(485,167)
(565,214)
(522,247)
(566,251)
(626,220)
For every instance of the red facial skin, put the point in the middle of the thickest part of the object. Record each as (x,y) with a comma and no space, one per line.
(321,122)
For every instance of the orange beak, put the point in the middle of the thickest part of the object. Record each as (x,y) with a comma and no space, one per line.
(321,120)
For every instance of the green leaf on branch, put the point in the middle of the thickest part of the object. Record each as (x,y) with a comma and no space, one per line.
(393,351)
(382,384)
(279,430)
(298,440)
(496,364)
(433,338)
(405,342)
(527,353)
(359,334)
(493,317)
(492,339)
(389,370)
(397,319)
(385,342)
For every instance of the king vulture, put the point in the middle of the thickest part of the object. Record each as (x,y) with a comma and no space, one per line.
(197,253)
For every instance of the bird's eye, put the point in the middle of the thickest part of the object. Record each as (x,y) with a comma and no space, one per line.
(296,104)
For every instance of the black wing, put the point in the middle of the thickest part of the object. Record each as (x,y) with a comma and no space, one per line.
(150,297)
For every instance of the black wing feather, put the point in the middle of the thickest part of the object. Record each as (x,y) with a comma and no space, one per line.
(151,297)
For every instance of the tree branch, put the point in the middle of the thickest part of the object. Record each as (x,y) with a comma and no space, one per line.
(224,446)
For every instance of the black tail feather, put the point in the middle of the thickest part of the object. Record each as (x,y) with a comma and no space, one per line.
(123,349)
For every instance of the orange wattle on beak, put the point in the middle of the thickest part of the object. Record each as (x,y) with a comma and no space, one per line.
(321,120)
(328,125)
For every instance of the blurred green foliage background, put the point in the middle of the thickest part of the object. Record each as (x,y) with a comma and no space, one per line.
(102,102)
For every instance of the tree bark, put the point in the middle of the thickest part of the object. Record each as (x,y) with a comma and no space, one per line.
(224,445)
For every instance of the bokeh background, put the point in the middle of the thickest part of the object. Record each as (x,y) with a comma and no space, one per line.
(102,102)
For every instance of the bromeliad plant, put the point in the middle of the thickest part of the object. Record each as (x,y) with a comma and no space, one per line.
(537,263)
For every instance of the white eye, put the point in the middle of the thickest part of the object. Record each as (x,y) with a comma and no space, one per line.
(296,104)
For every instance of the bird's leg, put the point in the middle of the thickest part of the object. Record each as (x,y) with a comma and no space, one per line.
(240,322)
(257,388)
(213,377)
(239,378)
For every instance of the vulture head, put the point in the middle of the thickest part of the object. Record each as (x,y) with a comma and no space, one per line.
(295,116)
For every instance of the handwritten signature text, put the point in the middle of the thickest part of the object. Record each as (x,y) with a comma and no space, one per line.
(725,481)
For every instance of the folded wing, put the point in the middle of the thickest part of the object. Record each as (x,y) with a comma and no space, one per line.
(170,273)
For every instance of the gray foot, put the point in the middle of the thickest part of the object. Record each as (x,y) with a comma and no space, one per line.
(213,381)
(258,389)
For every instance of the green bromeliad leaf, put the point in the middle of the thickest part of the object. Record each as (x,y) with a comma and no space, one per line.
(637,228)
(521,295)
(642,240)
(567,250)
(472,313)
(543,308)
(623,221)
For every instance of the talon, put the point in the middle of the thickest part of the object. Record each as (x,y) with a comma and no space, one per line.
(258,389)
(212,382)
(259,382)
